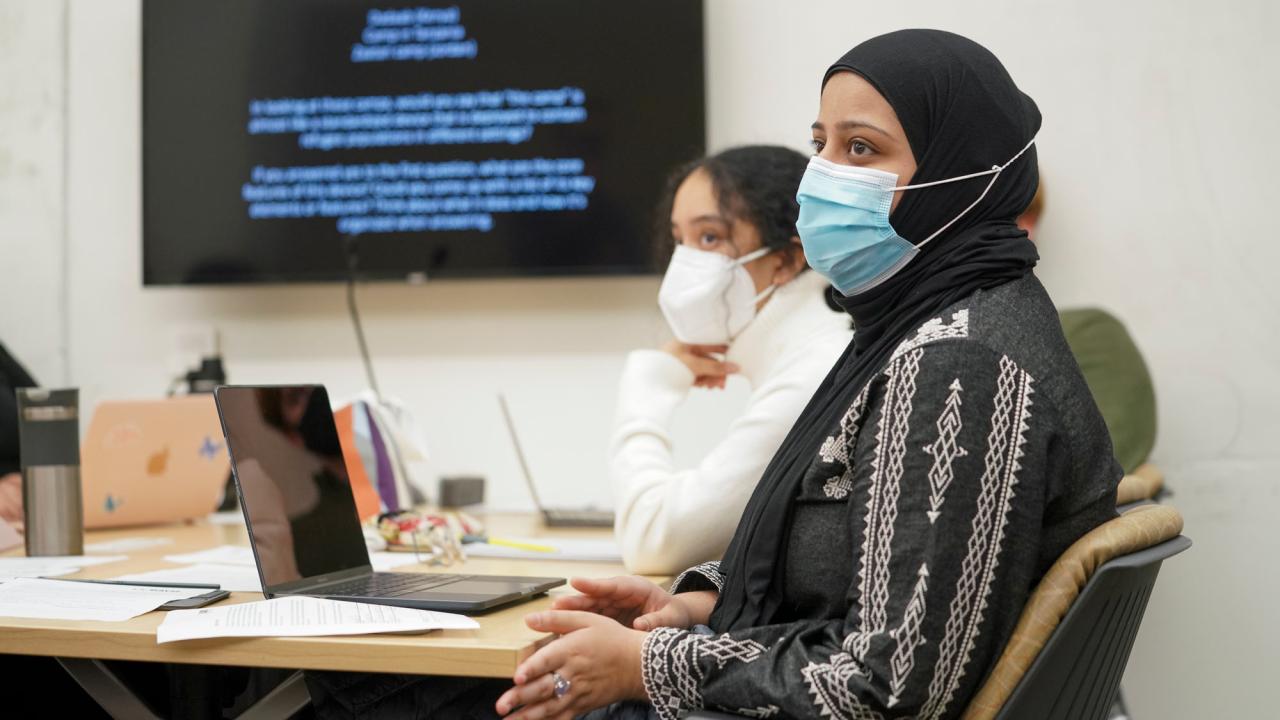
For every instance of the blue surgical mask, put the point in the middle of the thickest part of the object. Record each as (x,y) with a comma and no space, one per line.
(844,222)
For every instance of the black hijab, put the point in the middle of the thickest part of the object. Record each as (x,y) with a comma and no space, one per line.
(962,114)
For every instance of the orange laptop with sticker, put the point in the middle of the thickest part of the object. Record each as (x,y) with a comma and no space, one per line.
(153,461)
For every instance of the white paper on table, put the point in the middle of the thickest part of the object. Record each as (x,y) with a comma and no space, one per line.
(383,561)
(563,549)
(52,565)
(63,600)
(36,571)
(77,560)
(235,578)
(124,545)
(244,578)
(221,555)
(299,616)
(229,517)
(243,556)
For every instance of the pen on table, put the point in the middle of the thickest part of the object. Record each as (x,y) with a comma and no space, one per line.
(532,547)
(139,583)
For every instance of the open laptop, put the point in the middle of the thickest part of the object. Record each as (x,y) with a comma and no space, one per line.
(152,461)
(301,512)
(553,517)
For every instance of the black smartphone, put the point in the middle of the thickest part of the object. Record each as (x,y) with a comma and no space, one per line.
(198,601)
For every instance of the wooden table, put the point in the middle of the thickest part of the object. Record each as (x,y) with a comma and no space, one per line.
(493,650)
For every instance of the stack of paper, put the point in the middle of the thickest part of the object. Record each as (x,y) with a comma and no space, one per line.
(63,600)
(303,616)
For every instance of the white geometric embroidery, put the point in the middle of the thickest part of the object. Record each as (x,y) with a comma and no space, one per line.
(944,451)
(670,670)
(854,642)
(829,685)
(852,420)
(835,449)
(1009,425)
(882,501)
(909,638)
(934,330)
(670,676)
(709,571)
(766,711)
(838,487)
(723,648)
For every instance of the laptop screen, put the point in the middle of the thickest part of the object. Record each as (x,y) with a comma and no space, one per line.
(294,487)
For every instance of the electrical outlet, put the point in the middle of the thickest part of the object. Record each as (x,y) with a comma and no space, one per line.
(191,343)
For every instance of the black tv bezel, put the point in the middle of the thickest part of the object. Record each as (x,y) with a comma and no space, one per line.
(151,278)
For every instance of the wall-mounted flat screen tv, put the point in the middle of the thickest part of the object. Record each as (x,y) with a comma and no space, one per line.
(473,138)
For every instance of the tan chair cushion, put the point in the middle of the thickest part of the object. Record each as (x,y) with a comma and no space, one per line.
(1138,529)
(1142,484)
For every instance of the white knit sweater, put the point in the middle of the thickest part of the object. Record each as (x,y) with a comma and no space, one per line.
(669,518)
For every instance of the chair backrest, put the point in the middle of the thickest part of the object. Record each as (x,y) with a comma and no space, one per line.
(1144,484)
(1068,652)
(1076,675)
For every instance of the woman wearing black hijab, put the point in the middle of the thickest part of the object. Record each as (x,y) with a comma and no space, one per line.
(952,453)
(950,456)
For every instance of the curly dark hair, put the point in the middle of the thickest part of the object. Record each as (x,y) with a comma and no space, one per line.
(753,183)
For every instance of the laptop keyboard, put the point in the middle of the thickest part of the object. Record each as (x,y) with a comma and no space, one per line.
(391,584)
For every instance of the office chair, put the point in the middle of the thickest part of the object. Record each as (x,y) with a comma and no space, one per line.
(1068,652)
(1144,486)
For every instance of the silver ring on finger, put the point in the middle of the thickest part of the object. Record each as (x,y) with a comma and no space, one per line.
(560,684)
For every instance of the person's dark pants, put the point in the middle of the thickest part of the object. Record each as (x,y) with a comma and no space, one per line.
(340,696)
(372,696)
(40,687)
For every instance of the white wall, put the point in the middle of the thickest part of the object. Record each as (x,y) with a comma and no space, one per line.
(32,205)
(1158,153)
(1166,220)
(446,349)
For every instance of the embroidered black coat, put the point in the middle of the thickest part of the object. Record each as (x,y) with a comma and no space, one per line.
(957,476)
